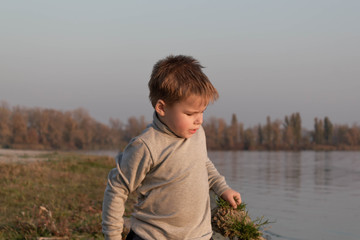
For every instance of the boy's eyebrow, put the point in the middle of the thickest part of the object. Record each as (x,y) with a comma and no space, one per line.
(197,111)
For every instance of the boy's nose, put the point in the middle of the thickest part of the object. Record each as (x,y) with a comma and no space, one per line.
(199,119)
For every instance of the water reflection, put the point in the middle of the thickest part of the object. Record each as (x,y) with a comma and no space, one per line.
(292,174)
(322,169)
(234,165)
(311,195)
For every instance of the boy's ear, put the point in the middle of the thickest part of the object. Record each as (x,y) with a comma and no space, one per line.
(160,107)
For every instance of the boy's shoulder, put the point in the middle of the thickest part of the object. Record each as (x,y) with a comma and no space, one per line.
(152,136)
(151,139)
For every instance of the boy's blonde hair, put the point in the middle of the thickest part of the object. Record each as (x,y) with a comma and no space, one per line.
(175,78)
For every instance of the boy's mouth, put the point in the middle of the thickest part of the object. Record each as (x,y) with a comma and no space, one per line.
(192,131)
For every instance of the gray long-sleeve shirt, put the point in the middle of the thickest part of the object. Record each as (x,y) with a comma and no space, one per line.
(172,177)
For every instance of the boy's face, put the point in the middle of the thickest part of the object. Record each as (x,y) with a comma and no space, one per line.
(183,118)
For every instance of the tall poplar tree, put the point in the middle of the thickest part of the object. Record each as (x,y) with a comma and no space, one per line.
(318,131)
(5,130)
(233,133)
(328,130)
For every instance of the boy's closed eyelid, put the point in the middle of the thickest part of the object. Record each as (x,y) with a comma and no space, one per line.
(190,114)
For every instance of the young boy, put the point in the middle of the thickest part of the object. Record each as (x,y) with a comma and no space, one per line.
(167,164)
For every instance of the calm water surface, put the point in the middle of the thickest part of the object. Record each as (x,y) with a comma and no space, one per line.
(310,195)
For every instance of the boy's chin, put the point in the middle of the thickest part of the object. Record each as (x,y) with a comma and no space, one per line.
(187,136)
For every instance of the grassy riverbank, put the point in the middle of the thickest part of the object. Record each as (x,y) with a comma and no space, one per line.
(60,195)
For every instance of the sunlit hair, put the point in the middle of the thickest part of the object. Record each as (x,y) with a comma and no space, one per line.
(175,78)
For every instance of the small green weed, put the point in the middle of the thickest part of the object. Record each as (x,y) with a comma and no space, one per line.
(222,203)
(235,223)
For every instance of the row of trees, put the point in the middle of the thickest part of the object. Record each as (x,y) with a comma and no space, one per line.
(36,128)
(281,135)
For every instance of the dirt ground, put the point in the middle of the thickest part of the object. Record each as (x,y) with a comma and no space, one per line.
(12,155)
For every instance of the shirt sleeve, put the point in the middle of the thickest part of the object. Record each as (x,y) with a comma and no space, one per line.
(132,166)
(216,181)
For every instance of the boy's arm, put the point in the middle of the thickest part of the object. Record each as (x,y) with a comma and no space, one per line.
(113,206)
(218,184)
(216,181)
(132,167)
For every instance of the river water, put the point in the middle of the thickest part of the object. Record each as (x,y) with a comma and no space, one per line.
(309,195)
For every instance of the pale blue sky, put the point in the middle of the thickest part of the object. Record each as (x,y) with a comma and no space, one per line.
(266,58)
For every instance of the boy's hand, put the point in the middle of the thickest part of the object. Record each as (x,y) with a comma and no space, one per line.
(232,197)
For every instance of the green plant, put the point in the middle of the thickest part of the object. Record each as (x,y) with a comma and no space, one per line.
(236,223)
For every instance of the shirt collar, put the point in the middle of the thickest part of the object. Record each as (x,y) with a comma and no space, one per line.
(161,126)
